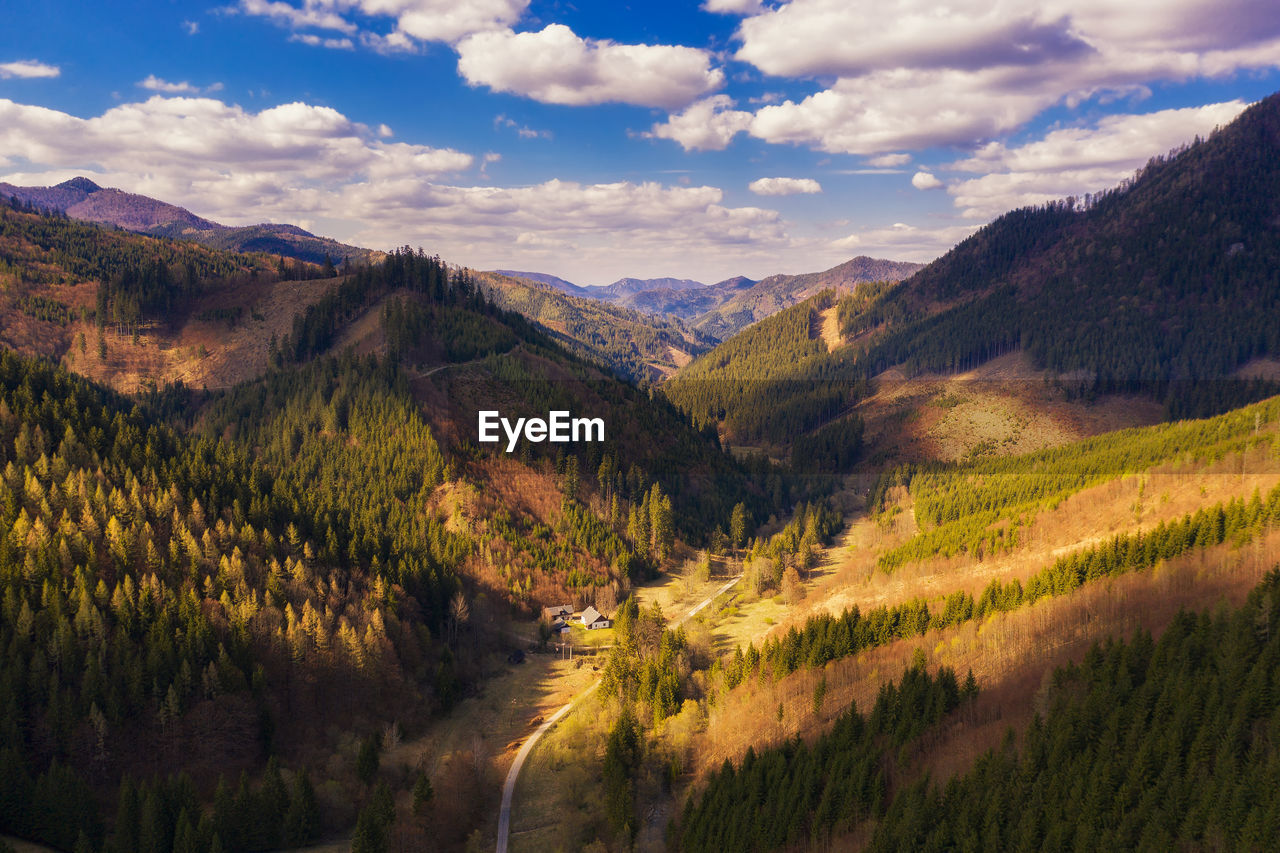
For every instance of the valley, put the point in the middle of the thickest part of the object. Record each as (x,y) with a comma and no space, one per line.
(282,536)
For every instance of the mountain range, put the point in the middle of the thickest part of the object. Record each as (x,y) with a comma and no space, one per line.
(240,501)
(81,198)
(720,310)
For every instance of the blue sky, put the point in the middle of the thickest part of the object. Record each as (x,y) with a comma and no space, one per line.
(593,141)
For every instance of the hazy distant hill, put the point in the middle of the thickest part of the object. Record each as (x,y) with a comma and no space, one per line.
(688,303)
(719,310)
(544,278)
(620,290)
(81,198)
(742,307)
(635,344)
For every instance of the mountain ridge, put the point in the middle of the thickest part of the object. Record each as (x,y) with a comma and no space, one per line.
(82,198)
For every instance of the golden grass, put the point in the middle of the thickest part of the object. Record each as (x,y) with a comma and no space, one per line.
(1008,653)
(1003,407)
(208,354)
(487,730)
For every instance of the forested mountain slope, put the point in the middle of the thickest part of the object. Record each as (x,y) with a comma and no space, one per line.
(201,581)
(82,199)
(635,345)
(778,292)
(1008,567)
(776,383)
(1165,285)
(1136,726)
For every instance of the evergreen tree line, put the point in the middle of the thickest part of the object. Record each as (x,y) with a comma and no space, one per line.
(826,637)
(144,574)
(648,664)
(797,794)
(978,507)
(793,549)
(773,381)
(1145,746)
(1162,287)
(53,248)
(622,338)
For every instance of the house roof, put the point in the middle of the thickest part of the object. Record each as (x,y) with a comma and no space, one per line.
(591,615)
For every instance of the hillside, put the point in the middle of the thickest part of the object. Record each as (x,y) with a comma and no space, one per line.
(543,278)
(325,528)
(1162,286)
(1002,568)
(740,307)
(720,310)
(1158,291)
(81,198)
(635,345)
(622,290)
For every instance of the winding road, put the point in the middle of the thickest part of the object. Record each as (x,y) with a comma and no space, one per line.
(509,787)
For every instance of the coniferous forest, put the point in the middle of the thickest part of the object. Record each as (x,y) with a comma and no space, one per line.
(299,600)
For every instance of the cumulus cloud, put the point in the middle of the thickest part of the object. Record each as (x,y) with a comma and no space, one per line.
(312,15)
(422,20)
(915,74)
(556,66)
(155,84)
(449,20)
(299,162)
(925,181)
(27,69)
(314,40)
(707,125)
(784,186)
(807,37)
(1072,161)
(221,160)
(903,242)
(889,161)
(903,108)
(733,7)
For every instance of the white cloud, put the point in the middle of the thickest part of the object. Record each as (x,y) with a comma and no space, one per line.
(925,181)
(912,74)
(806,37)
(1072,161)
(733,7)
(192,27)
(300,163)
(708,125)
(154,84)
(27,69)
(784,186)
(523,131)
(889,161)
(314,40)
(900,109)
(315,15)
(556,66)
(221,160)
(903,242)
(422,20)
(449,20)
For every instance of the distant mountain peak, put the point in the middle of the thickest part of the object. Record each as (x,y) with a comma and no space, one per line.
(81,184)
